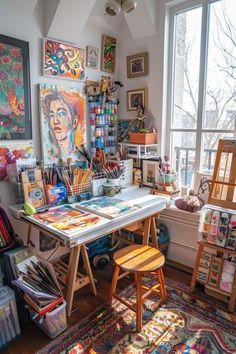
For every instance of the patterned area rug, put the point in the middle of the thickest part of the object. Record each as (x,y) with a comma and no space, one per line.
(183,325)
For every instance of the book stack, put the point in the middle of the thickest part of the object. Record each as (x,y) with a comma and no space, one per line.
(38,281)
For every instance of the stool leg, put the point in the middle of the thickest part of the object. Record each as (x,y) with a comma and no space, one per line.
(113,284)
(139,312)
(162,285)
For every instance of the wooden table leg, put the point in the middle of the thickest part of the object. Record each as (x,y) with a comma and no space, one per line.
(88,269)
(72,272)
(153,231)
(196,266)
(146,232)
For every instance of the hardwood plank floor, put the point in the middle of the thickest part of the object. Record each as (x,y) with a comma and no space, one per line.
(32,338)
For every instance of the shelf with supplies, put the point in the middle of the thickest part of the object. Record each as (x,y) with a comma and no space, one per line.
(103,125)
(140,151)
(215,265)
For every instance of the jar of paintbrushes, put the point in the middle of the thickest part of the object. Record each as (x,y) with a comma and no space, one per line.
(113,174)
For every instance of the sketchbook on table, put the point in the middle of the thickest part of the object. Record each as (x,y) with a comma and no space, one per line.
(58,214)
(108,207)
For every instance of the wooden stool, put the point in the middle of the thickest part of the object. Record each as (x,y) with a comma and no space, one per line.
(139,259)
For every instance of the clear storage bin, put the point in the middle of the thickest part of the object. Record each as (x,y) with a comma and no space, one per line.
(9,323)
(52,323)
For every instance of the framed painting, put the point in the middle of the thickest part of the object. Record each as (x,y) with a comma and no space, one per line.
(62,60)
(62,115)
(108,63)
(15,102)
(150,169)
(137,65)
(135,98)
(92,57)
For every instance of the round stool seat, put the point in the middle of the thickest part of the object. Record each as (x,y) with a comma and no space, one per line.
(139,258)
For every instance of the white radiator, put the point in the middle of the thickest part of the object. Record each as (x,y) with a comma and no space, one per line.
(183,230)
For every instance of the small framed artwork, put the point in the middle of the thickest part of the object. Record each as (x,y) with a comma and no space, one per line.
(15,102)
(92,57)
(137,65)
(134,98)
(62,60)
(150,169)
(108,63)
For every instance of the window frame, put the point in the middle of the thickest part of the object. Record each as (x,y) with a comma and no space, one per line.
(199,130)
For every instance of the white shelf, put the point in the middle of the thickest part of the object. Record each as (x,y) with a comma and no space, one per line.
(140,151)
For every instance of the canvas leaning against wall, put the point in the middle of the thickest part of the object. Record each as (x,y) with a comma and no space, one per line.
(63,60)
(62,114)
(15,110)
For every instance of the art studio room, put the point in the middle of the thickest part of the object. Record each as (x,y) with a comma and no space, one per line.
(117,176)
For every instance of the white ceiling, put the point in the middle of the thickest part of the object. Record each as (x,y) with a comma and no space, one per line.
(66,18)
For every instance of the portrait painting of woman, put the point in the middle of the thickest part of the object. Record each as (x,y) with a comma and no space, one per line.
(62,123)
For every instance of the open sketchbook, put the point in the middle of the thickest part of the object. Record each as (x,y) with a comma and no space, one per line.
(68,220)
(108,207)
(57,214)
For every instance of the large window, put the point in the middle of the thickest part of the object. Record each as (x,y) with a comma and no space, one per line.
(202,83)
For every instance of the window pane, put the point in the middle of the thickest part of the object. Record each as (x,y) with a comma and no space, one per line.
(210,144)
(186,68)
(183,153)
(220,105)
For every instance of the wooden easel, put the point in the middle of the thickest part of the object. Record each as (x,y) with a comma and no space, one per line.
(223,194)
(223,187)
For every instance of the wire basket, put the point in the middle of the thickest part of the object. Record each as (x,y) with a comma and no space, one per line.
(77,189)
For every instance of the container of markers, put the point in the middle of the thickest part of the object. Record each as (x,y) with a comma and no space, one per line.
(53,322)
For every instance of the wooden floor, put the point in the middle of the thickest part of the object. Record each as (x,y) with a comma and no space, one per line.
(32,338)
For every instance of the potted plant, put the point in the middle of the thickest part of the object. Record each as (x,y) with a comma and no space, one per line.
(144,137)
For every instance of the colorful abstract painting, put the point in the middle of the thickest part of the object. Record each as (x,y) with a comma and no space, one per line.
(62,123)
(10,152)
(63,60)
(108,54)
(15,111)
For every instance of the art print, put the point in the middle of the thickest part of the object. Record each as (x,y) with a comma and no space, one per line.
(62,114)
(91,57)
(63,60)
(15,110)
(137,65)
(108,63)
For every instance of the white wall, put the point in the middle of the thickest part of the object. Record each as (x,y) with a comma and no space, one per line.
(155,80)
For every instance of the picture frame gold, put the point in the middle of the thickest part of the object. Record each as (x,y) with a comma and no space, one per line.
(108,56)
(137,65)
(135,98)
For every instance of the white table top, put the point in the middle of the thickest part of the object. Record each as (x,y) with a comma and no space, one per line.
(151,204)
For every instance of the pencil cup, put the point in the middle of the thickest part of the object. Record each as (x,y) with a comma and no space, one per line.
(115,182)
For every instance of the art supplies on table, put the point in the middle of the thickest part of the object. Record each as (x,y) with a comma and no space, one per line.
(77,223)
(57,214)
(108,207)
(33,188)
